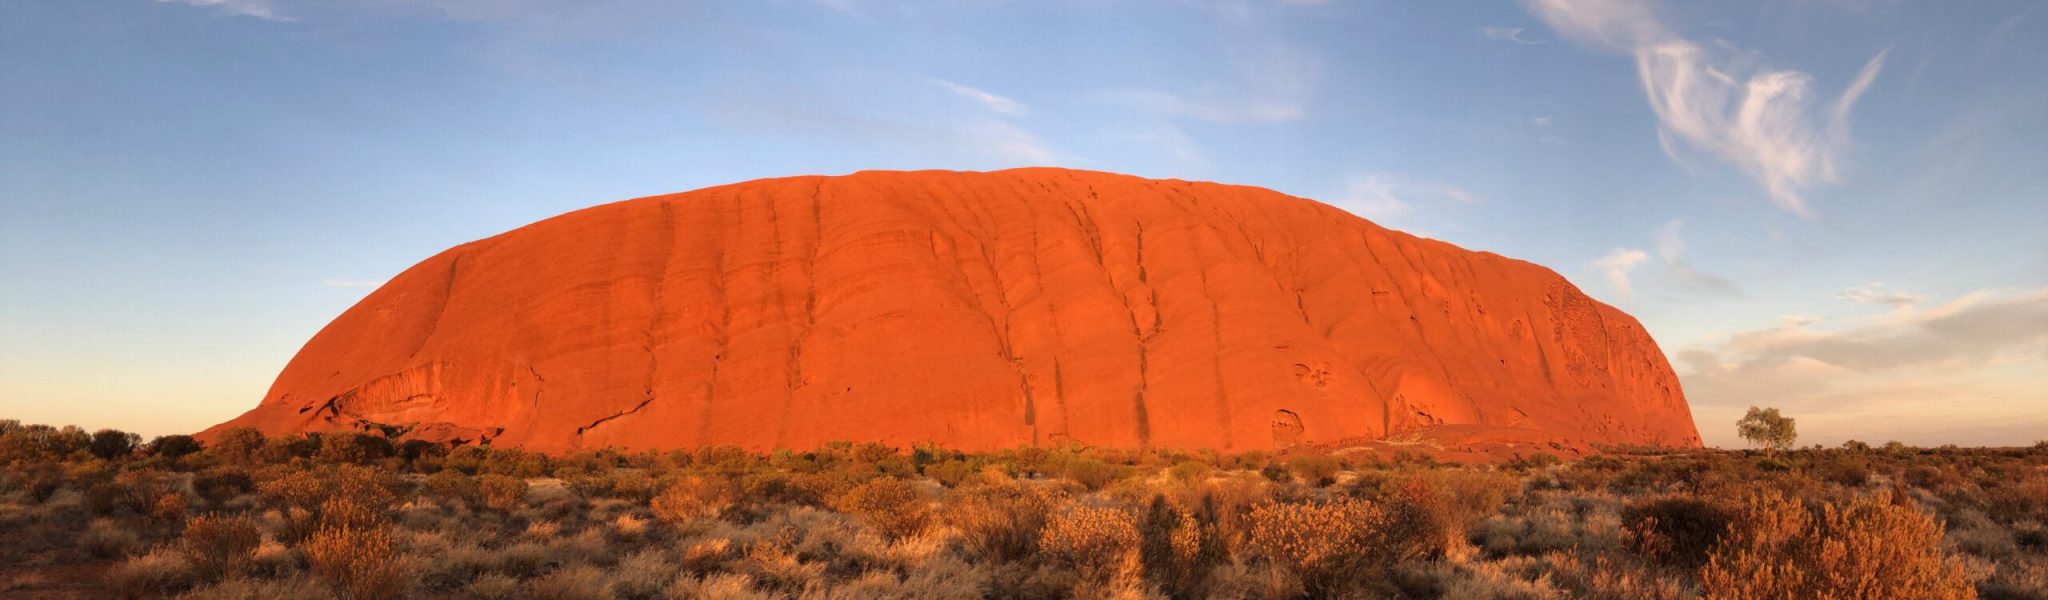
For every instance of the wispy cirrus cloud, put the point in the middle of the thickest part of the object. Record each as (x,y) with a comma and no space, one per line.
(990,101)
(261,9)
(1719,101)
(1207,106)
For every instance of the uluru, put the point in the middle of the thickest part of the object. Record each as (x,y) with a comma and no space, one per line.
(976,311)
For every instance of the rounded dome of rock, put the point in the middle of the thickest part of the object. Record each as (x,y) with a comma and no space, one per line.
(975,311)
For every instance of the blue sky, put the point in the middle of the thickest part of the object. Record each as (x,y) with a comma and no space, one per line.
(1833,207)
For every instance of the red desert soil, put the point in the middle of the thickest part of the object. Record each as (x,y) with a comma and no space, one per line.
(977,311)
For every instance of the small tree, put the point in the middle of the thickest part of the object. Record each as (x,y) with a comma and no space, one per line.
(173,446)
(110,444)
(1765,427)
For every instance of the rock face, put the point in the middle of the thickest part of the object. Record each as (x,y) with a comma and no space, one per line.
(977,311)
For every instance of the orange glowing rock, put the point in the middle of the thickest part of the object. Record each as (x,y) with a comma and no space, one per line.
(976,311)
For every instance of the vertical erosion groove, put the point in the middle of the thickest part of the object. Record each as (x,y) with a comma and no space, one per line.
(440,309)
(1144,370)
(721,283)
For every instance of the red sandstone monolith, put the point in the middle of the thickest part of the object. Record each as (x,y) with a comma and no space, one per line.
(976,311)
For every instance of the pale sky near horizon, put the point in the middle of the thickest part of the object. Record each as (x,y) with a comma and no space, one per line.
(1835,207)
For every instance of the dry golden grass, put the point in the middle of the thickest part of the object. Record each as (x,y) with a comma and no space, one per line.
(296,517)
(360,563)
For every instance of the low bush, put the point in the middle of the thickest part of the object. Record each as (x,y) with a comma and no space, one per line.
(694,497)
(1180,549)
(161,573)
(453,486)
(104,539)
(1674,530)
(360,564)
(998,522)
(1091,473)
(221,485)
(1871,547)
(1335,548)
(1100,544)
(218,545)
(501,492)
(893,506)
(1316,469)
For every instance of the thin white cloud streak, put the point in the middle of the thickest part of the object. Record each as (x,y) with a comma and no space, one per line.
(1617,264)
(1511,34)
(1248,110)
(990,101)
(1874,293)
(1838,113)
(1670,244)
(261,9)
(1011,143)
(1759,120)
